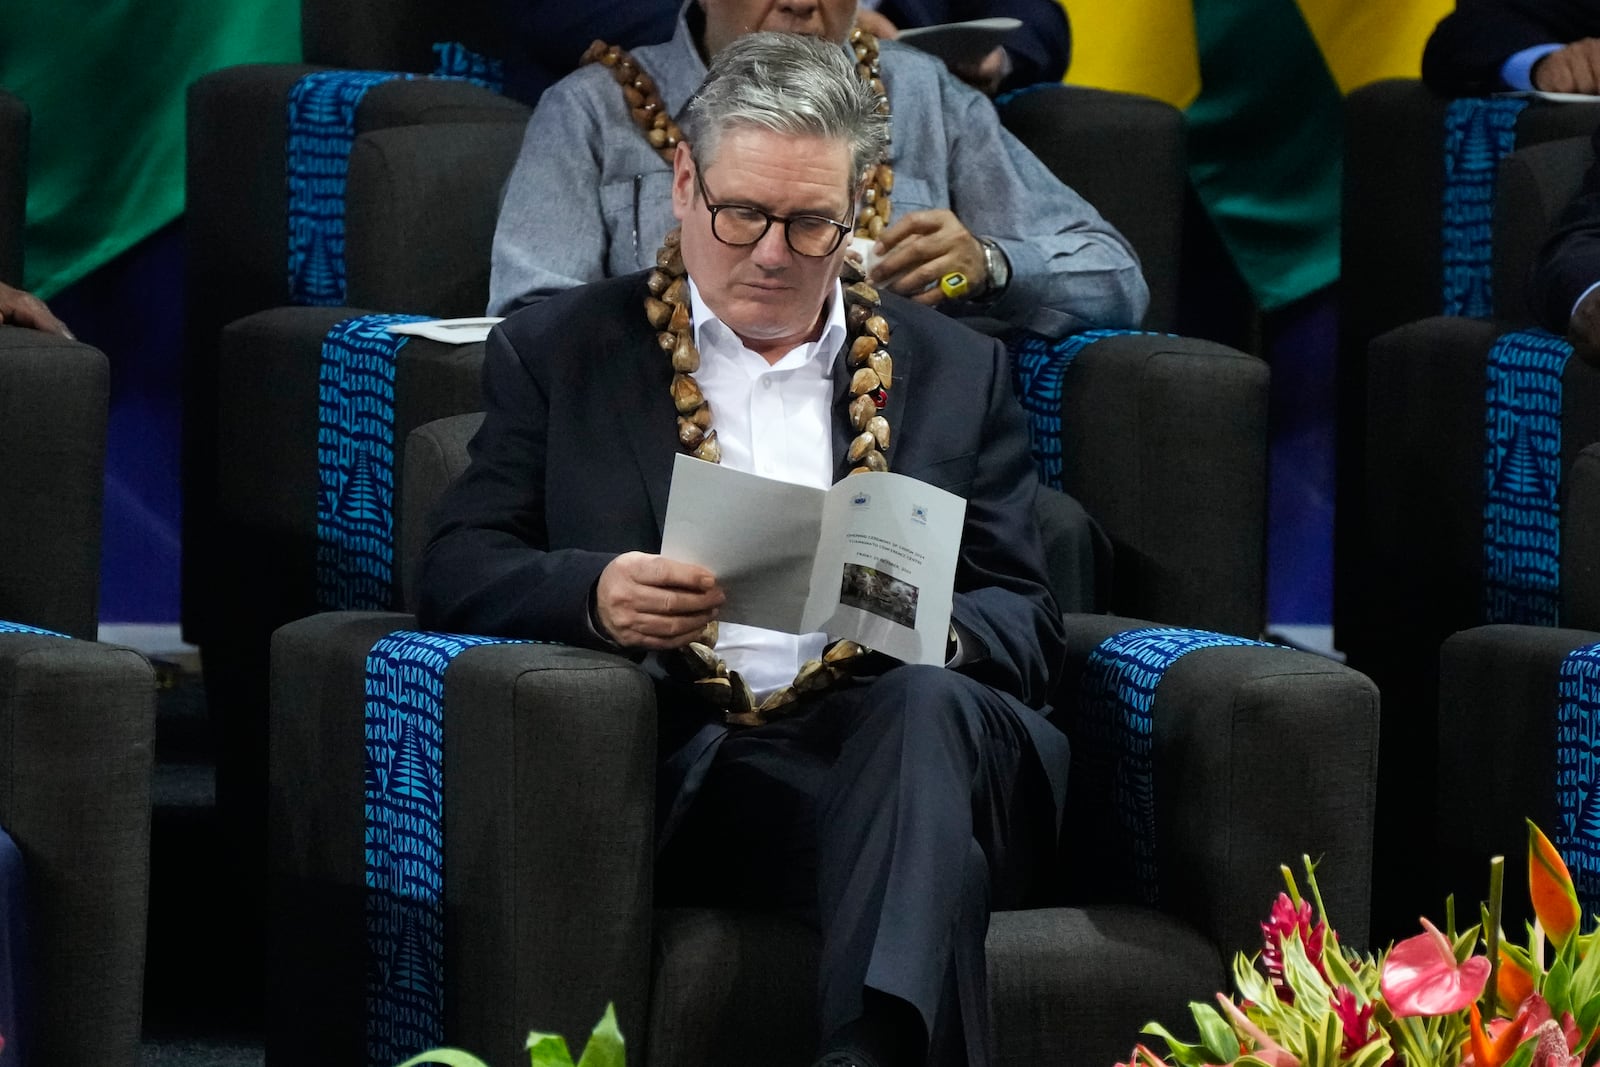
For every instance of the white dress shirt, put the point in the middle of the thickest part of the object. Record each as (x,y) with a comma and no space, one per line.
(775,420)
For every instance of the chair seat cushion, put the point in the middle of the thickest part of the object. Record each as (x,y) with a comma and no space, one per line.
(1067,985)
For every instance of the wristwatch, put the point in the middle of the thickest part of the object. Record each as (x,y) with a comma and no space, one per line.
(996,266)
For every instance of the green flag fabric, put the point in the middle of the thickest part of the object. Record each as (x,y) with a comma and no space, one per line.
(106,81)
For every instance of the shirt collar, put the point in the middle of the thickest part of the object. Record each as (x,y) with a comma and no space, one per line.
(827,345)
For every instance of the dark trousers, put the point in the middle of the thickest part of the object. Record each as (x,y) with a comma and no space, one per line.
(895,815)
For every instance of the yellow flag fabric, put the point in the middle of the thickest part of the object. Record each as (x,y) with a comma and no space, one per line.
(1135,46)
(1365,41)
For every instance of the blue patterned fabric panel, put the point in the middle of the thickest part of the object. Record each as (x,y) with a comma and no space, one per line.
(1114,741)
(461,63)
(405,840)
(1478,133)
(322,127)
(15,1006)
(355,463)
(1522,479)
(1577,835)
(1038,371)
(19,628)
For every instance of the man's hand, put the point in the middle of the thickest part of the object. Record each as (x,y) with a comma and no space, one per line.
(1584,329)
(986,74)
(18,308)
(923,246)
(646,601)
(1573,69)
(877,25)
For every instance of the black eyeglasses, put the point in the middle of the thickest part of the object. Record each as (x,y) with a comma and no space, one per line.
(740,225)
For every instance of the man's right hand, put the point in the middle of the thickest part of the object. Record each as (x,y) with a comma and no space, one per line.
(1584,328)
(646,601)
(1573,69)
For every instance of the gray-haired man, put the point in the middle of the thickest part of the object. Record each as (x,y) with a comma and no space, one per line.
(893,804)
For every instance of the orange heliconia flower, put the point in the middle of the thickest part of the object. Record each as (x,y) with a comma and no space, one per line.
(1550,888)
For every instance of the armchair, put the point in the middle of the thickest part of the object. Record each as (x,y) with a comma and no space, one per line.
(547,901)
(78,717)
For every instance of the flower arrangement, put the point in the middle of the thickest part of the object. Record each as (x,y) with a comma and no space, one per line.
(604,1049)
(1440,999)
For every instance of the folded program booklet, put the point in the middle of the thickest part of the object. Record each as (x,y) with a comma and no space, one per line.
(872,559)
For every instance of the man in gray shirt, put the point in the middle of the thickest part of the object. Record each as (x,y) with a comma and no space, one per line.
(590,197)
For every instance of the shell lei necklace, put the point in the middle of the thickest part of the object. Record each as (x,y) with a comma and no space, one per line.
(667,309)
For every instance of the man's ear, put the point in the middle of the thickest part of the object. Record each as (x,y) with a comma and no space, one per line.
(682,181)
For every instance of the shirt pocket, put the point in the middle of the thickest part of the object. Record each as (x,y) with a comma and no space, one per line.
(638,213)
(911,193)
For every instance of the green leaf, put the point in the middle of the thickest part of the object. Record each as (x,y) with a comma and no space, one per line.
(1216,1036)
(1558,986)
(606,1047)
(548,1050)
(451,1057)
(1373,1054)
(1185,1055)
(1250,983)
(1523,1055)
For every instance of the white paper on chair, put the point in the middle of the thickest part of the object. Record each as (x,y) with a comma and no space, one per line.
(450,331)
(960,42)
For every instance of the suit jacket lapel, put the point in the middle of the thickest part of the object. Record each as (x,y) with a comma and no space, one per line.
(642,404)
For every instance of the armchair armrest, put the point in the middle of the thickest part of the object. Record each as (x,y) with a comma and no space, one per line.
(53,395)
(78,719)
(549,786)
(1260,754)
(1165,444)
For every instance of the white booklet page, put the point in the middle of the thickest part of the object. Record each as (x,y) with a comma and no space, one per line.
(872,559)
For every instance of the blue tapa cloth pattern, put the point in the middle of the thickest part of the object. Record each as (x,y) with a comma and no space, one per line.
(404,840)
(1113,746)
(1038,371)
(1577,832)
(15,1007)
(19,628)
(1478,133)
(456,60)
(1522,479)
(355,463)
(322,128)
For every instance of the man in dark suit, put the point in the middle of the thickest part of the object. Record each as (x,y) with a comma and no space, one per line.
(894,804)
(1487,46)
(1037,51)
(1564,288)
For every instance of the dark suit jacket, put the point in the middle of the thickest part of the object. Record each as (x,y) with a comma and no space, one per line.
(1040,48)
(1464,55)
(1569,261)
(574,460)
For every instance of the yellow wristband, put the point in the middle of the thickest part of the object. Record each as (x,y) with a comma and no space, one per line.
(953,285)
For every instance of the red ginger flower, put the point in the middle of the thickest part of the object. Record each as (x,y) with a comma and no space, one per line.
(1550,888)
(1286,919)
(1421,976)
(1356,1021)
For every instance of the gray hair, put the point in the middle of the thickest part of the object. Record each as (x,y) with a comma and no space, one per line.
(790,84)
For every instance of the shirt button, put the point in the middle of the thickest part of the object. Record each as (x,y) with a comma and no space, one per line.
(766,383)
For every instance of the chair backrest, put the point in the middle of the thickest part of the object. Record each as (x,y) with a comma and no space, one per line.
(1123,153)
(1532,188)
(14,126)
(1580,543)
(393,34)
(436,454)
(53,396)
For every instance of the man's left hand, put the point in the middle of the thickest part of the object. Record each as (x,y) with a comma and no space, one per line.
(921,247)
(986,74)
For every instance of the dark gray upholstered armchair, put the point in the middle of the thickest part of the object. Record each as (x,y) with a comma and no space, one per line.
(1499,690)
(1393,274)
(1261,754)
(78,717)
(1421,534)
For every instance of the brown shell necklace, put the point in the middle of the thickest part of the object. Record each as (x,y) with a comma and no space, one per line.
(667,309)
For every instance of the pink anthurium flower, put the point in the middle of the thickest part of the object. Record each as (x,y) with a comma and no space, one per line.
(1421,976)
